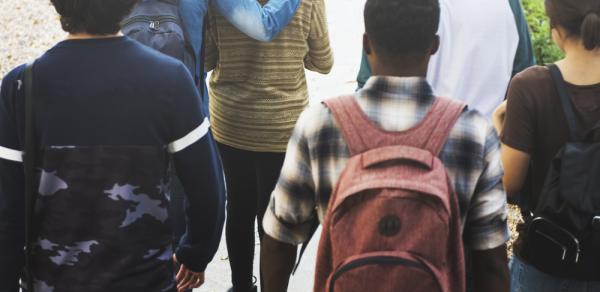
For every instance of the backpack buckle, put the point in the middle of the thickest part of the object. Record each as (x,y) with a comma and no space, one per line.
(154,25)
(596,223)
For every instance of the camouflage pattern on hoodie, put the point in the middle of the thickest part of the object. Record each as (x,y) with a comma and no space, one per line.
(102,220)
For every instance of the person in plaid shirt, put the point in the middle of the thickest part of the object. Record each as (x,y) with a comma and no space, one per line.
(399,41)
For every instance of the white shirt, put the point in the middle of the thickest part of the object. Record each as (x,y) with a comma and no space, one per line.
(479,42)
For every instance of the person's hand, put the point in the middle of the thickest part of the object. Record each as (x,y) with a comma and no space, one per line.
(499,116)
(186,278)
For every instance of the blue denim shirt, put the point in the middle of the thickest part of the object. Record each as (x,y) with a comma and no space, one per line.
(259,22)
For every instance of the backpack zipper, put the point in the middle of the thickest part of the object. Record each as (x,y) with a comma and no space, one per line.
(386,260)
(153,21)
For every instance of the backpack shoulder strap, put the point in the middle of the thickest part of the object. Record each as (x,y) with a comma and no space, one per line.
(448,111)
(193,17)
(360,133)
(343,109)
(345,112)
(313,230)
(29,167)
(200,64)
(565,100)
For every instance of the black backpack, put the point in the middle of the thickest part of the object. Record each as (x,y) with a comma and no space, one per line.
(562,238)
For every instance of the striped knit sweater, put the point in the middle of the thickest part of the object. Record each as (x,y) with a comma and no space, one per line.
(258,89)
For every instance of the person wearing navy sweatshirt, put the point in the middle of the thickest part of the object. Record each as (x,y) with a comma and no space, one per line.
(109,113)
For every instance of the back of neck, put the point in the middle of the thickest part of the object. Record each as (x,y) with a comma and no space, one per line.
(84,36)
(580,66)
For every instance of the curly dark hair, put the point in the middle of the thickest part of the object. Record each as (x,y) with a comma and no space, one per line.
(402,27)
(97,17)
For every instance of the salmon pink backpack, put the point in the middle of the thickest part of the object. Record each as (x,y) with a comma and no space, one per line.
(393,222)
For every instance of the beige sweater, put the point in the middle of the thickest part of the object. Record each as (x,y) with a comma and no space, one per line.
(258,89)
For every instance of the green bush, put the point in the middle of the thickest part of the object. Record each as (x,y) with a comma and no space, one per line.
(545,50)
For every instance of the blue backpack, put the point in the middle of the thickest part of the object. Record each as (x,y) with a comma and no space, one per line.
(159,24)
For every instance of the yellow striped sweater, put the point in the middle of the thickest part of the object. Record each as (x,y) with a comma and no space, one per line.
(258,89)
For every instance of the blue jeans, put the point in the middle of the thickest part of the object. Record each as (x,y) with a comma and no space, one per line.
(526,278)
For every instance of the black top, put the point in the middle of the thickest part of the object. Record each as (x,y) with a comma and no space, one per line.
(108,114)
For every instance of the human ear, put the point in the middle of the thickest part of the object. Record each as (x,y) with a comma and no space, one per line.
(435,46)
(367,44)
(558,37)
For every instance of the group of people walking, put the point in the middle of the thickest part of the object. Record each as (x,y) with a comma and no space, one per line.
(119,166)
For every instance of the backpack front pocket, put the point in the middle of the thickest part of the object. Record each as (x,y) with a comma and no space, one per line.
(384,272)
(163,33)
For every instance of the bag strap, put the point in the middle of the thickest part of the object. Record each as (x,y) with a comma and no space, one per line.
(29,159)
(344,113)
(185,12)
(200,68)
(565,101)
(361,134)
(448,111)
(313,230)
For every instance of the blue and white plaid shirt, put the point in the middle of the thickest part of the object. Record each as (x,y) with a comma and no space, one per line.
(317,154)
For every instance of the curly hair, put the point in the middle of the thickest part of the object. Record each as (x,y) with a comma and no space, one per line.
(402,27)
(96,17)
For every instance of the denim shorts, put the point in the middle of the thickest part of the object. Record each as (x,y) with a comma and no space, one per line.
(526,278)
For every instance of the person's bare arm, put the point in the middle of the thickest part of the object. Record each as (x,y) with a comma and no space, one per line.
(290,218)
(276,263)
(490,270)
(486,229)
(515,162)
(516,165)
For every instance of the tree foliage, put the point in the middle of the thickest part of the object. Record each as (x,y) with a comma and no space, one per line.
(545,50)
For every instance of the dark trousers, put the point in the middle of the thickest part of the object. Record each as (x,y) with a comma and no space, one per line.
(251,178)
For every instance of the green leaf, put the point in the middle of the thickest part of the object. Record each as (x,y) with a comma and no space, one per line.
(544,48)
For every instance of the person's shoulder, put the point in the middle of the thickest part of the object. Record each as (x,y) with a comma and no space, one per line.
(160,71)
(472,126)
(14,75)
(315,118)
(532,76)
(154,55)
(531,87)
(474,118)
(12,82)
(150,57)
(313,5)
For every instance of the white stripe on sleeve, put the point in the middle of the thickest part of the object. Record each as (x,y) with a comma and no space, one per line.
(10,154)
(190,138)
